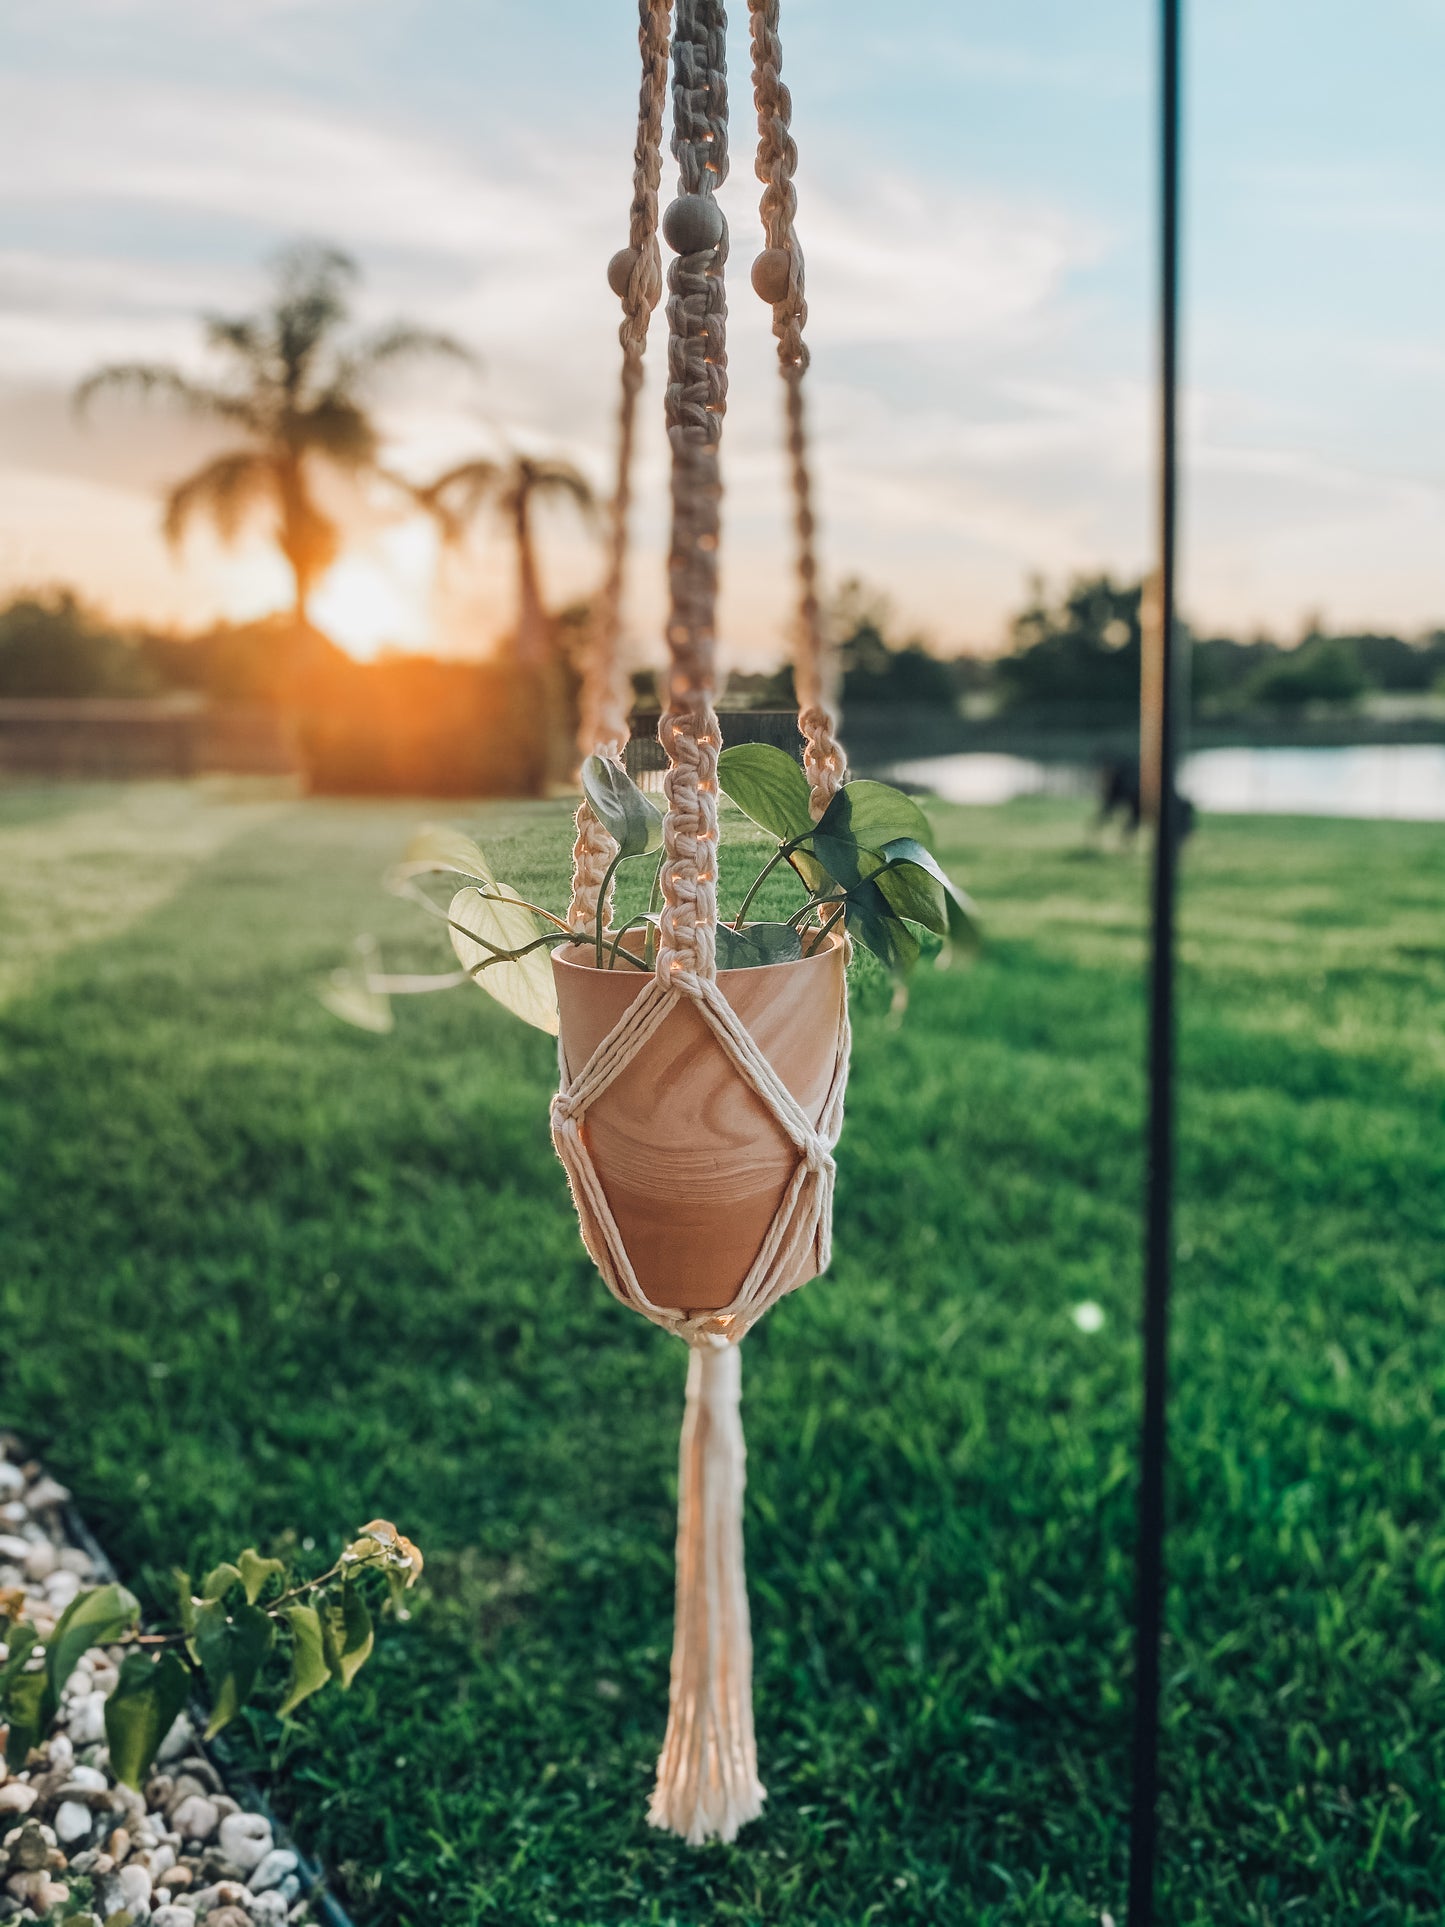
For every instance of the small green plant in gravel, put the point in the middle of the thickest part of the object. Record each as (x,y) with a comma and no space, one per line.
(221,1642)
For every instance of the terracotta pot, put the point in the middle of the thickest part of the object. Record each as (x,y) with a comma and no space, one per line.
(693,1163)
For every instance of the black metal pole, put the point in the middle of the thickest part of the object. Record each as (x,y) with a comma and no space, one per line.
(1159,743)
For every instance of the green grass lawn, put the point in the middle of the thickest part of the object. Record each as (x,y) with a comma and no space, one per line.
(264,1275)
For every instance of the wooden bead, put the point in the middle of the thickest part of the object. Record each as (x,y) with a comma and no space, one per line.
(692,224)
(771,273)
(619,271)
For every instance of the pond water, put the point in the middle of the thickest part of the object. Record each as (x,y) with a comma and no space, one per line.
(1405,780)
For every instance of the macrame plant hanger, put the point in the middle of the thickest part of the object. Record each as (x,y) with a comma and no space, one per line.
(707,1778)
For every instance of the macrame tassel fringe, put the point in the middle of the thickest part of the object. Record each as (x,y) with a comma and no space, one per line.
(707,1775)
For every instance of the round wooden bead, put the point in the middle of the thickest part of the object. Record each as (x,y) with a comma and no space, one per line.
(619,271)
(771,272)
(692,224)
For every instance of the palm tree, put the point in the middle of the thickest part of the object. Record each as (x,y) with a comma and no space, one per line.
(513,487)
(297,394)
(548,679)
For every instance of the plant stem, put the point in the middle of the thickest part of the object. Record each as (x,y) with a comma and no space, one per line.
(654,904)
(812,947)
(602,901)
(614,950)
(783,851)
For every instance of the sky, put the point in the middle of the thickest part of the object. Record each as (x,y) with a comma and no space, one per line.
(976,204)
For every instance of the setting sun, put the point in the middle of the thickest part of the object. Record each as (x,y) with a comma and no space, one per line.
(381,595)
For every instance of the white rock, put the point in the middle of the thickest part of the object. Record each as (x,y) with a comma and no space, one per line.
(161,1861)
(291,1888)
(89,1777)
(81,1564)
(17,1797)
(81,1682)
(13,1513)
(135,1887)
(14,1551)
(12,1479)
(273,1870)
(87,1722)
(72,1822)
(60,1752)
(40,1559)
(61,1587)
(178,1741)
(195,1818)
(270,1909)
(246,1839)
(46,1493)
(173,1916)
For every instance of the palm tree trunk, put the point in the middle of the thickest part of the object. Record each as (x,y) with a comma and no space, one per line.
(531,639)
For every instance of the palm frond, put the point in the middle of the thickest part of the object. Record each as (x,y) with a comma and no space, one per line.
(153,378)
(455,495)
(557,478)
(336,428)
(227,489)
(244,336)
(400,342)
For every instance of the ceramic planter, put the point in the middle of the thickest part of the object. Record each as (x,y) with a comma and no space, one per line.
(693,1163)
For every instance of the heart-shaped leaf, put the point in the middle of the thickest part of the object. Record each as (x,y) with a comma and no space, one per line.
(26,1712)
(867,913)
(346,1636)
(255,1571)
(141,1711)
(93,1618)
(768,786)
(436,849)
(231,1648)
(757,944)
(874,814)
(309,1670)
(633,820)
(917,887)
(489,924)
(348,994)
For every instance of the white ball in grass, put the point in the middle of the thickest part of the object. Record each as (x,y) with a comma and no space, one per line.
(1088,1316)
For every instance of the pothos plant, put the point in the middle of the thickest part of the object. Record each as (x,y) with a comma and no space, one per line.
(220,1640)
(868,865)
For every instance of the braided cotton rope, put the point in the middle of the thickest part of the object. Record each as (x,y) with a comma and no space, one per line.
(707,1780)
(778,278)
(695,404)
(635,274)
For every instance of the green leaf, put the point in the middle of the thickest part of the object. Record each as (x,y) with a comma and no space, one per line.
(347,1636)
(867,913)
(917,887)
(185,1600)
(231,1649)
(347,995)
(309,1668)
(438,849)
(141,1711)
(21,1643)
(757,944)
(633,820)
(874,814)
(768,786)
(255,1571)
(219,1580)
(24,1703)
(92,1618)
(525,986)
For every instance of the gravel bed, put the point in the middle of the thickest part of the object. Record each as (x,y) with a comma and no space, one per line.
(77,1847)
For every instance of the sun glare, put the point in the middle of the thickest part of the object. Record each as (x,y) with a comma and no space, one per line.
(382,595)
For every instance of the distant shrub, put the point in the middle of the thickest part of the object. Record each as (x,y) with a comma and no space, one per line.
(51,645)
